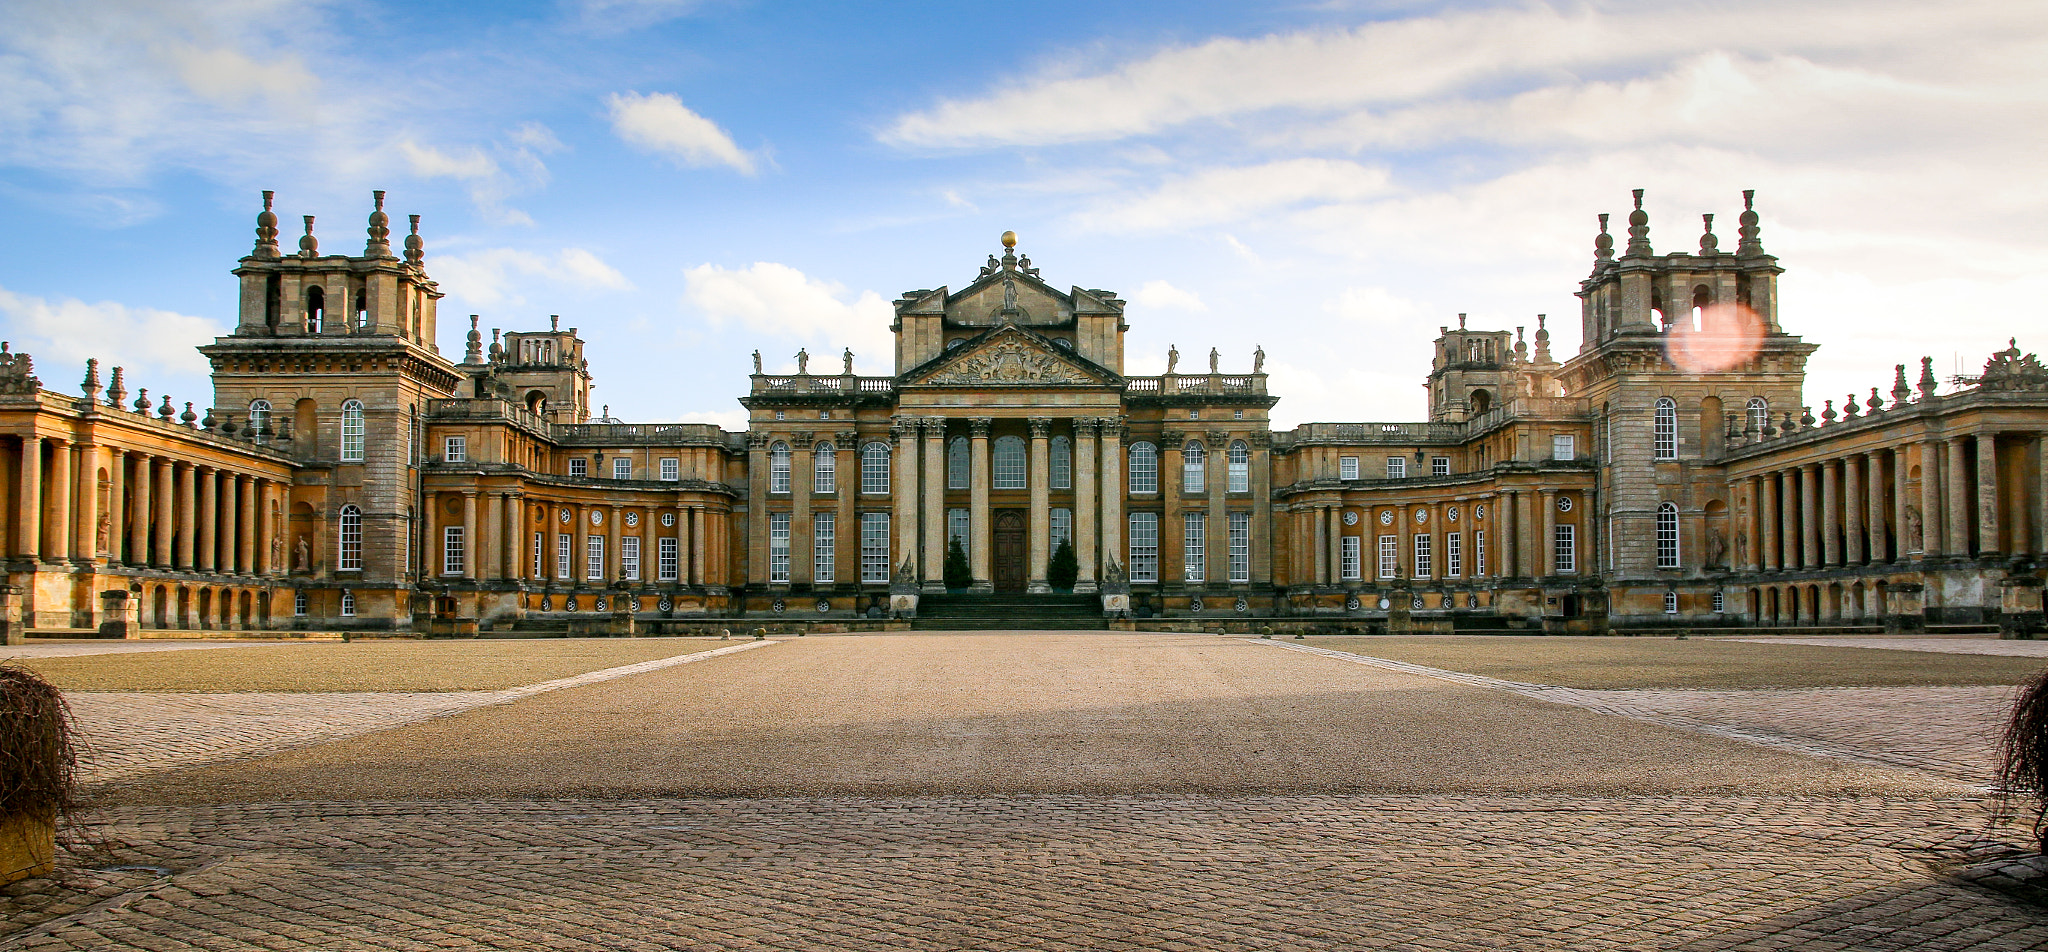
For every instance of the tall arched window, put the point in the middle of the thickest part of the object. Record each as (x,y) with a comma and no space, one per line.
(874,468)
(316,308)
(1194,466)
(1062,463)
(1759,413)
(1007,467)
(956,463)
(350,529)
(1240,467)
(1666,428)
(1667,536)
(352,431)
(259,420)
(778,467)
(1144,468)
(825,468)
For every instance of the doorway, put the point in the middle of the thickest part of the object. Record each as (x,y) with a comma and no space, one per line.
(1009,550)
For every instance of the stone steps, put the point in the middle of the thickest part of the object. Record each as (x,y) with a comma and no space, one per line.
(998,612)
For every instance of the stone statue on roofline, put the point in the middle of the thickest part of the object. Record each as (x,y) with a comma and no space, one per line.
(803,361)
(1215,358)
(1258,359)
(1172,358)
(848,357)
(757,361)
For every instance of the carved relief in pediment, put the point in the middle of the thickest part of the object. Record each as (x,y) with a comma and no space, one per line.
(1010,362)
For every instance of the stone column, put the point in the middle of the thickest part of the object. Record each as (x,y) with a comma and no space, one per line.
(522,536)
(1900,502)
(1039,530)
(1875,550)
(1216,544)
(802,547)
(188,512)
(228,527)
(1261,507)
(1505,562)
(470,554)
(117,506)
(1990,533)
(209,519)
(1853,504)
(1809,516)
(138,512)
(58,525)
(694,518)
(165,497)
(1534,557)
(248,518)
(274,557)
(934,574)
(903,471)
(1830,524)
(2041,495)
(1113,489)
(980,521)
(1324,570)
(490,549)
(846,489)
(1084,505)
(1767,522)
(85,495)
(1956,514)
(28,509)
(1548,556)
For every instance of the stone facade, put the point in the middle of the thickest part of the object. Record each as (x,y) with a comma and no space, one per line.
(1667,474)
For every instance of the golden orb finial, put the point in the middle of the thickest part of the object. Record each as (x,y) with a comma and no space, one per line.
(1009,240)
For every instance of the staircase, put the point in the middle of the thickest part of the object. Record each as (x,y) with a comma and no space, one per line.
(999,612)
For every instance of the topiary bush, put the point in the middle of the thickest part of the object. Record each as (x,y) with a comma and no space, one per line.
(2023,761)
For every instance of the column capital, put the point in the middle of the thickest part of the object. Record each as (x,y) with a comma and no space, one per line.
(848,439)
(934,427)
(902,426)
(1041,427)
(1218,438)
(979,426)
(801,440)
(1172,439)
(757,440)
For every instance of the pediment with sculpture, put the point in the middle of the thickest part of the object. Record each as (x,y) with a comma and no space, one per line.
(1009,359)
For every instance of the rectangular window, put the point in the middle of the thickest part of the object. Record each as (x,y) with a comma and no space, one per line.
(1062,463)
(455,449)
(1061,524)
(299,602)
(1390,555)
(874,547)
(874,472)
(622,468)
(1720,602)
(958,524)
(667,559)
(822,561)
(565,554)
(671,469)
(1423,564)
(1454,554)
(825,469)
(1144,468)
(1479,553)
(1439,466)
(1144,547)
(1194,547)
(1348,557)
(1347,467)
(351,542)
(1240,546)
(778,547)
(539,544)
(593,557)
(1397,467)
(1565,549)
(578,466)
(629,558)
(1561,446)
(451,550)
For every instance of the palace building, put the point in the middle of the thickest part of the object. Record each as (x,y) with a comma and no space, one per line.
(1669,473)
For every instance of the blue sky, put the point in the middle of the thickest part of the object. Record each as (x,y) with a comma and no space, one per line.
(687,182)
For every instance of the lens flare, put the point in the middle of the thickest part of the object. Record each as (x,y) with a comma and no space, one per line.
(1726,337)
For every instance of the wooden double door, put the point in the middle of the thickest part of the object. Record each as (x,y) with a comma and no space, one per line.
(1009,550)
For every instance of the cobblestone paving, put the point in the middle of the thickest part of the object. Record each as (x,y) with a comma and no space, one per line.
(1982,646)
(125,734)
(1098,873)
(1949,731)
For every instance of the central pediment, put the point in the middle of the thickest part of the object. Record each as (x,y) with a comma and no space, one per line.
(1010,356)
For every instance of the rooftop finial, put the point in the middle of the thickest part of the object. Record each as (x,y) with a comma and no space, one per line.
(415,246)
(309,246)
(1709,245)
(1461,320)
(554,322)
(1009,251)
(1750,243)
(474,353)
(1542,339)
(266,229)
(91,384)
(379,245)
(1928,383)
(1603,245)
(1639,229)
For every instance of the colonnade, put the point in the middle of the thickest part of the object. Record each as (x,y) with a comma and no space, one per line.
(1862,508)
(1517,537)
(509,536)
(151,511)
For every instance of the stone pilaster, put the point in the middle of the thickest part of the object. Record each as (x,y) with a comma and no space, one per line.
(469,540)
(1548,543)
(980,521)
(1085,463)
(1038,531)
(1830,524)
(802,550)
(1957,512)
(934,505)
(209,519)
(1932,536)
(1854,503)
(1990,534)
(1113,490)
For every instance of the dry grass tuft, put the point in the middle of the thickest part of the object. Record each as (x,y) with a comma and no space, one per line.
(2023,764)
(38,764)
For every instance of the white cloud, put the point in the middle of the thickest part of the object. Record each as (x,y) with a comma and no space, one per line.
(489,181)
(776,299)
(1164,296)
(1232,194)
(504,276)
(1373,306)
(660,123)
(156,347)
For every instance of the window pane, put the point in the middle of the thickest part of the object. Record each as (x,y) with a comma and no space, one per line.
(957,463)
(1193,467)
(874,547)
(671,469)
(1194,566)
(1240,546)
(1062,460)
(778,547)
(668,560)
(1144,468)
(822,560)
(1347,558)
(778,468)
(1007,469)
(629,558)
(1241,468)
(824,468)
(593,557)
(451,550)
(1390,553)
(1144,547)
(874,474)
